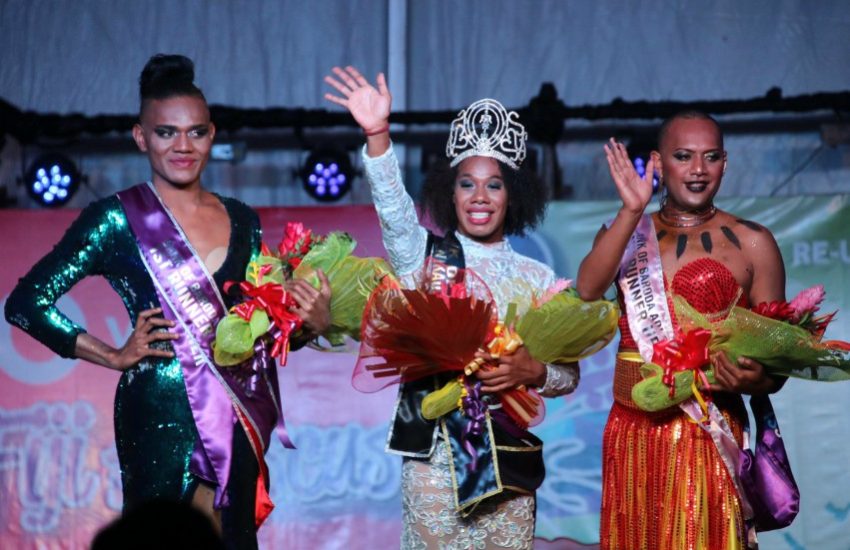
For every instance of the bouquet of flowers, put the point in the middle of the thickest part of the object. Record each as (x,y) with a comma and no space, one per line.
(410,334)
(784,337)
(266,310)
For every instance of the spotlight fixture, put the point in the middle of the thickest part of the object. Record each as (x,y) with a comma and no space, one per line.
(327,174)
(52,179)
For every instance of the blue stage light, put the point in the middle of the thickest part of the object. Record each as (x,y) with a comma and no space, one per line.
(327,174)
(52,179)
(640,168)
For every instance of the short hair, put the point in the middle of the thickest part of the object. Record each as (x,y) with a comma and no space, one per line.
(165,76)
(527,197)
(689,114)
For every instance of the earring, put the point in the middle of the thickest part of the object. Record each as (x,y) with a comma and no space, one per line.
(663,194)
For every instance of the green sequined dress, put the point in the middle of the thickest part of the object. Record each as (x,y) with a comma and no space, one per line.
(154,428)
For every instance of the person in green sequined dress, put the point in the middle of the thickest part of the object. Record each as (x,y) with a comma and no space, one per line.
(155,432)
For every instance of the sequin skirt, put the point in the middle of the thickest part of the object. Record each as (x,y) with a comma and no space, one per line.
(664,484)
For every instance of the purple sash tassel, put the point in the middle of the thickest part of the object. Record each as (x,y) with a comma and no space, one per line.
(264,362)
(476,412)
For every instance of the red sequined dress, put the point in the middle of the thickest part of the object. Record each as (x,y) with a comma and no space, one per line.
(664,485)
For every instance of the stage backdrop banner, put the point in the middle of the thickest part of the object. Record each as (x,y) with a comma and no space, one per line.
(59,478)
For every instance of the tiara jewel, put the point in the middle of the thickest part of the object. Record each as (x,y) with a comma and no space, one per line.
(487,129)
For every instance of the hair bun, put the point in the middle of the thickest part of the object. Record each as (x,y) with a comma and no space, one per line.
(165,71)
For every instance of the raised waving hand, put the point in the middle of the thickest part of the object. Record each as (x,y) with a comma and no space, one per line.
(635,191)
(599,268)
(370,106)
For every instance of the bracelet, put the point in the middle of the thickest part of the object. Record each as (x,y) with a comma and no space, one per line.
(380,130)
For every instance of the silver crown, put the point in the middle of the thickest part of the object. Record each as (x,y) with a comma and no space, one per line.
(487,129)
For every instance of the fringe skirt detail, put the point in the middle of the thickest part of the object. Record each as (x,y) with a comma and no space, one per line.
(664,484)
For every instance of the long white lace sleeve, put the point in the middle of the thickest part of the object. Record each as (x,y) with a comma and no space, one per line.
(404,239)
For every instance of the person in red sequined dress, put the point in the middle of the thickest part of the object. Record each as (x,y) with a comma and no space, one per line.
(664,485)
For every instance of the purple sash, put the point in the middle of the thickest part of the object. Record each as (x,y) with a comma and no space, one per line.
(191,299)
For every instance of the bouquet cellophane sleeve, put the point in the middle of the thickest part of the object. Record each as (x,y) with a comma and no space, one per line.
(783,348)
(565,328)
(352,280)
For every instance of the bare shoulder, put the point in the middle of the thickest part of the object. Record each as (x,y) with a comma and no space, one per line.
(762,253)
(759,236)
(750,234)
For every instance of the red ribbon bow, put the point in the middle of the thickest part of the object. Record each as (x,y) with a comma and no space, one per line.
(687,351)
(276,302)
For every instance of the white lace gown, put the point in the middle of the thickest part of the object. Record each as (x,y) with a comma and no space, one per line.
(429,515)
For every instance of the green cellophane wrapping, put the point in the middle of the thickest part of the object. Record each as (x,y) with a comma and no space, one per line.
(352,280)
(784,349)
(651,394)
(275,275)
(234,337)
(442,401)
(565,328)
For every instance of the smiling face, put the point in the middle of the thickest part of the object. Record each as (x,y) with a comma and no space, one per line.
(691,161)
(480,199)
(177,135)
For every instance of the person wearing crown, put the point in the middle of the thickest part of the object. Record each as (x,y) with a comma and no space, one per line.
(479,197)
(666,483)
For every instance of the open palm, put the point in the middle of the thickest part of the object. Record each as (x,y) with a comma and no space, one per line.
(369,106)
(635,191)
